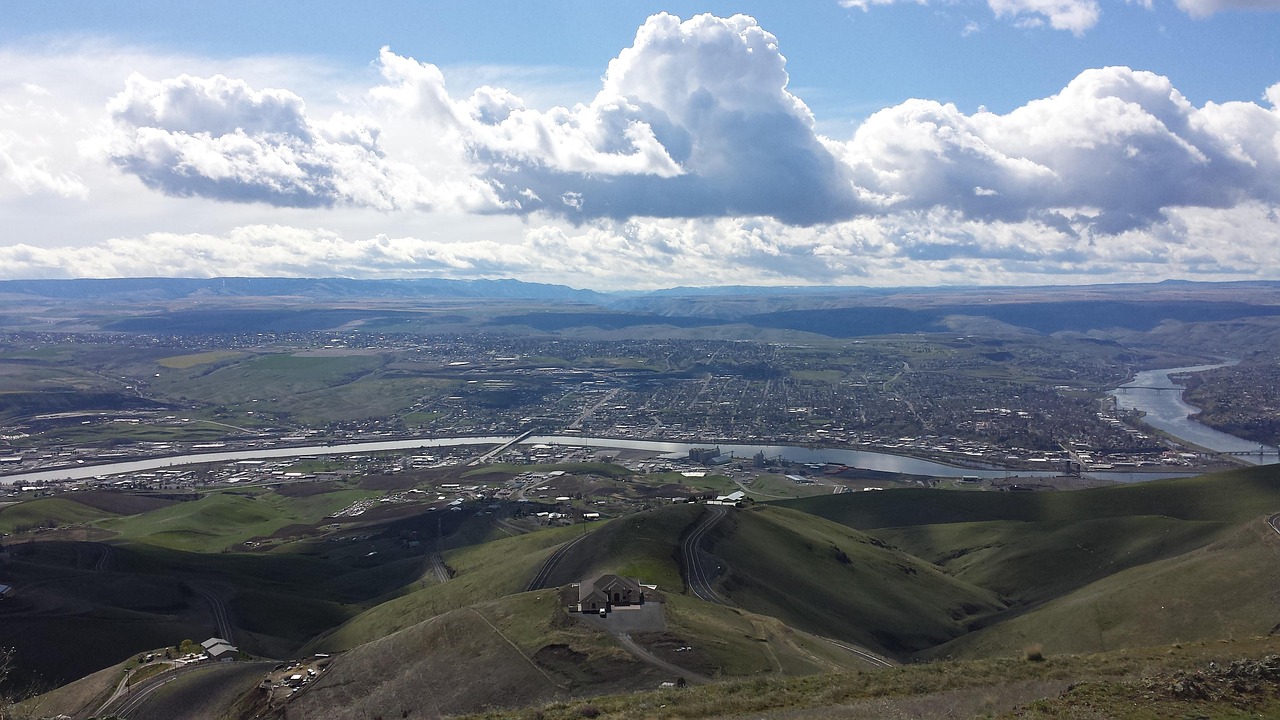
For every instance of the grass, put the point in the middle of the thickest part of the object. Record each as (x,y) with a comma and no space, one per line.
(770,486)
(47,512)
(737,643)
(1229,497)
(930,690)
(1095,569)
(223,519)
(186,362)
(482,572)
(464,658)
(822,577)
(1223,590)
(643,545)
(1012,558)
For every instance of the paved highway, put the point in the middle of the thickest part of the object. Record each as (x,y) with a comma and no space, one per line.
(696,576)
(438,567)
(544,573)
(221,618)
(699,582)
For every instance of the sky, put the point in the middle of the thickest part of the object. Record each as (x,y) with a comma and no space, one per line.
(636,145)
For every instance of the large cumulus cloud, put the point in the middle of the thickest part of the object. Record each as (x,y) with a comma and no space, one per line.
(218,137)
(1113,151)
(695,120)
(29,129)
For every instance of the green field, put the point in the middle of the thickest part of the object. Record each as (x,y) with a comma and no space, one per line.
(185,362)
(822,577)
(48,513)
(224,519)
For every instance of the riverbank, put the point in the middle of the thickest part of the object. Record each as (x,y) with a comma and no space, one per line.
(1159,398)
(862,459)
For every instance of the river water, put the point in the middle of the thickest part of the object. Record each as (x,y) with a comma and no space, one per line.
(1167,411)
(884,462)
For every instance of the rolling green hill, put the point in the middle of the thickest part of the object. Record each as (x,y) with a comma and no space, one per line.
(1092,570)
(828,579)
(223,519)
(1226,589)
(47,512)
(1227,497)
(481,573)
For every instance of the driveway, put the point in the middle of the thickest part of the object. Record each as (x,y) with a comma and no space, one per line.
(628,619)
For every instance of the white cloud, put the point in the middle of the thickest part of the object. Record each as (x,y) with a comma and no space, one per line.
(865,5)
(30,128)
(218,137)
(1205,8)
(1076,16)
(689,162)
(1113,151)
(693,119)
(932,247)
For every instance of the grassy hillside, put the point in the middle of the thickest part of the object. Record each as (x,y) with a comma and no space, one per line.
(1149,683)
(527,649)
(223,519)
(1097,569)
(1229,497)
(728,642)
(643,545)
(826,578)
(47,512)
(1226,589)
(481,573)
(504,653)
(1029,562)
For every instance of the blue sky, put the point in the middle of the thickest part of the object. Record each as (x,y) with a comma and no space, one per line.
(612,146)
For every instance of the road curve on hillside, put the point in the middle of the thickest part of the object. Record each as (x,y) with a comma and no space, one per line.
(631,646)
(700,584)
(438,567)
(863,654)
(1274,522)
(696,577)
(221,618)
(544,573)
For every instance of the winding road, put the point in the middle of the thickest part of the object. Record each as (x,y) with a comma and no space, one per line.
(439,568)
(700,583)
(544,573)
(221,618)
(696,576)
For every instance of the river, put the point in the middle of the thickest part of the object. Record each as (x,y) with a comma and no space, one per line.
(1165,410)
(883,462)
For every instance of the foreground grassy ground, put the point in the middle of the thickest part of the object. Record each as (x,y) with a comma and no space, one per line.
(1132,683)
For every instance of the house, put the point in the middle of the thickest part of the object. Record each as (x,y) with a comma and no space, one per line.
(6,592)
(220,650)
(609,591)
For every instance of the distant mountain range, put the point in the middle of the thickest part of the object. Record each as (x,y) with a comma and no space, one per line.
(318,288)
(166,288)
(832,311)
